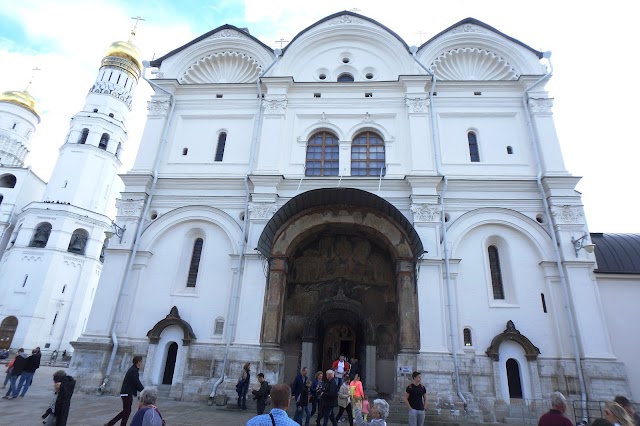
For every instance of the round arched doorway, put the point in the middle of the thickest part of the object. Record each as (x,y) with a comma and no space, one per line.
(8,329)
(341,282)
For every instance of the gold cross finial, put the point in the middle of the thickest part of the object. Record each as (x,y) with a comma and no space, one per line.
(421,33)
(135,26)
(282,41)
(32,77)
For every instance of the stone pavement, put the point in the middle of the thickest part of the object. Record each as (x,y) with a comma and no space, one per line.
(93,410)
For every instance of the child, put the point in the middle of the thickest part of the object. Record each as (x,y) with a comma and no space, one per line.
(365,408)
(302,404)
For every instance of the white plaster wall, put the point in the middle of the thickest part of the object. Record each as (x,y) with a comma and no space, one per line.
(620,295)
(513,350)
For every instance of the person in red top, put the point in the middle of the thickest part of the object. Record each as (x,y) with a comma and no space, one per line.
(341,369)
(555,416)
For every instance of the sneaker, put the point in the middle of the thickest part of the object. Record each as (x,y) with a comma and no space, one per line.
(5,397)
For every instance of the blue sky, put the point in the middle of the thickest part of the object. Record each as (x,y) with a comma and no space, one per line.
(593,46)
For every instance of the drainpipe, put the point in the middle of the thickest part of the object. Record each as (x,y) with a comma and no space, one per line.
(235,290)
(140,230)
(552,231)
(453,335)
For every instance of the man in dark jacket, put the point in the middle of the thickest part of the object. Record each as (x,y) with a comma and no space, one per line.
(130,388)
(299,383)
(64,386)
(261,394)
(330,398)
(18,367)
(33,363)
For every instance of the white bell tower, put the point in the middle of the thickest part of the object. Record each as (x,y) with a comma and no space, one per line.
(51,268)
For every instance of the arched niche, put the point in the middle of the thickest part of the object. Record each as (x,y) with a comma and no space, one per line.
(512,334)
(172,319)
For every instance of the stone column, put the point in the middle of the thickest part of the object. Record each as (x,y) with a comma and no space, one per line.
(407,307)
(178,374)
(536,386)
(308,349)
(497,382)
(149,362)
(274,301)
(370,368)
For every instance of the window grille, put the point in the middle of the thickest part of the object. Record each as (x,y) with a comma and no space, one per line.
(496,273)
(222,140)
(474,153)
(195,263)
(367,155)
(322,155)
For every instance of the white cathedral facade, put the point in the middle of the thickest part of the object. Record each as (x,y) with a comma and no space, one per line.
(348,194)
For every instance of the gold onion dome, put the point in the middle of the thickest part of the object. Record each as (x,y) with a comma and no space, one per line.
(20,98)
(125,50)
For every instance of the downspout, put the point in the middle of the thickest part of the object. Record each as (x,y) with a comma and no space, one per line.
(136,241)
(450,300)
(550,223)
(235,290)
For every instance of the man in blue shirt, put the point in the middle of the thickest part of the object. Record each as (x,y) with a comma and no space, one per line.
(280,398)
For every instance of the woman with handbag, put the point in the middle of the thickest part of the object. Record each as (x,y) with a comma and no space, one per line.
(242,387)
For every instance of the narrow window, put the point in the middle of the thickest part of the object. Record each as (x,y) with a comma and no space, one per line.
(118,80)
(83,136)
(55,317)
(474,154)
(496,273)
(14,126)
(195,263)
(119,150)
(222,140)
(317,95)
(345,78)
(1,198)
(509,150)
(41,236)
(64,287)
(185,151)
(467,337)
(104,141)
(322,155)
(544,303)
(26,278)
(219,96)
(219,327)
(65,184)
(368,95)
(367,155)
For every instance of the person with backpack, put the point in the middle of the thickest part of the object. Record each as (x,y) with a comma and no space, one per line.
(281,398)
(261,395)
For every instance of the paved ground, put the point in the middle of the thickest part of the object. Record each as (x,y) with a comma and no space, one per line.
(92,410)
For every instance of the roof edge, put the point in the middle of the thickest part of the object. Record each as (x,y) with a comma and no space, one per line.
(483,25)
(158,62)
(346,12)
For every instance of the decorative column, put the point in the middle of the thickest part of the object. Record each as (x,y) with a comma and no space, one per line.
(308,355)
(274,301)
(542,119)
(149,361)
(407,307)
(418,110)
(370,368)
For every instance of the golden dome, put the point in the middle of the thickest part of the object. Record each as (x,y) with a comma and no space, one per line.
(125,50)
(20,98)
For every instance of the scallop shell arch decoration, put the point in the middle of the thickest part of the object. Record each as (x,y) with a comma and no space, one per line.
(472,64)
(223,67)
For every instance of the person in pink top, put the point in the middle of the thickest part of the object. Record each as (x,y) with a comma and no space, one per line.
(365,408)
(356,388)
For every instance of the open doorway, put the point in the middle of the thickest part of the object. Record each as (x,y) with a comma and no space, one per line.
(170,365)
(513,379)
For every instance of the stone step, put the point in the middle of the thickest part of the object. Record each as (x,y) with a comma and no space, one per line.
(520,421)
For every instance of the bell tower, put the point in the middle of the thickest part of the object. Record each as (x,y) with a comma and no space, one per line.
(51,268)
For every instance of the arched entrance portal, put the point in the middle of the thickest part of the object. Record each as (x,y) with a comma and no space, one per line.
(170,364)
(341,281)
(7,331)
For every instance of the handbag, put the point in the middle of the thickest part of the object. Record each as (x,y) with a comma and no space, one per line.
(49,418)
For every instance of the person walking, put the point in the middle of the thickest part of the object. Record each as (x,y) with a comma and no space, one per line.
(33,363)
(148,414)
(315,393)
(7,377)
(16,371)
(242,387)
(130,387)
(330,399)
(281,398)
(63,386)
(262,394)
(299,383)
(355,369)
(616,414)
(302,405)
(344,400)
(415,398)
(340,368)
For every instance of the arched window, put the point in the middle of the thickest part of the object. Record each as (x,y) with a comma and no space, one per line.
(474,153)
(496,273)
(322,155)
(8,181)
(119,150)
(41,236)
(78,242)
(222,139)
(195,263)
(345,77)
(467,337)
(219,328)
(104,141)
(367,155)
(83,136)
